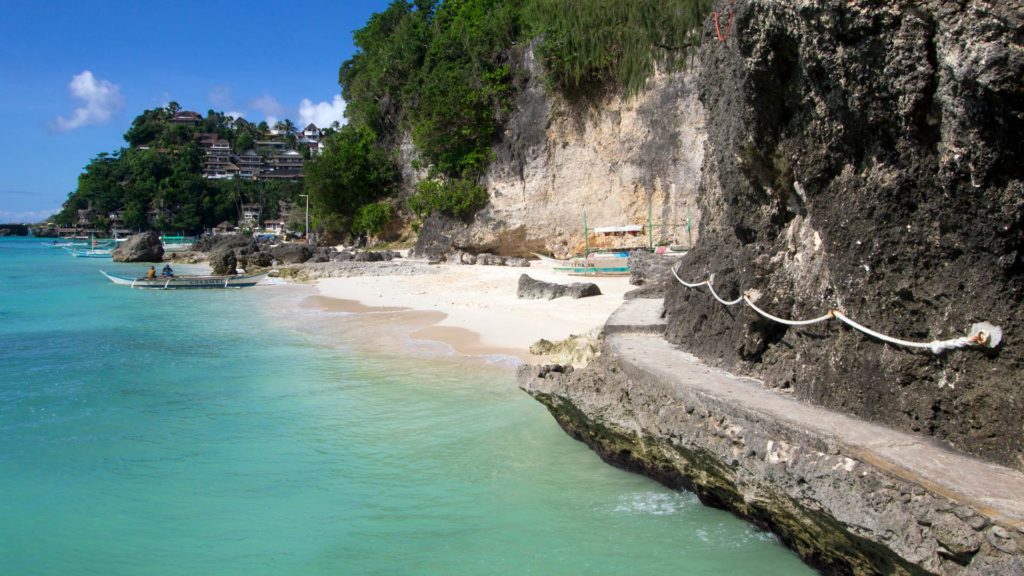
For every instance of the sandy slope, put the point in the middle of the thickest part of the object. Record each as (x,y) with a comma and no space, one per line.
(481,313)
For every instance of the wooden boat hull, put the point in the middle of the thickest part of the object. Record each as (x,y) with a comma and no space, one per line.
(593,270)
(186,282)
(603,265)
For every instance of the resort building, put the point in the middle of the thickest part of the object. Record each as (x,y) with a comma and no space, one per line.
(218,162)
(224,227)
(187,118)
(275,226)
(285,165)
(84,217)
(250,165)
(250,215)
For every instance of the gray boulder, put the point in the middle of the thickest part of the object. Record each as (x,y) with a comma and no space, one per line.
(292,253)
(223,261)
(486,259)
(367,256)
(530,289)
(517,262)
(211,243)
(459,257)
(259,259)
(145,247)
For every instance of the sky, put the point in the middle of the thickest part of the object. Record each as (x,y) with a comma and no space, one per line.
(73,75)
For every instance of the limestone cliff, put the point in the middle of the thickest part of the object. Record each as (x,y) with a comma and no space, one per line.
(867,156)
(612,158)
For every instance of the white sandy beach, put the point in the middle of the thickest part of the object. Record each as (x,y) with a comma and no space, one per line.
(481,312)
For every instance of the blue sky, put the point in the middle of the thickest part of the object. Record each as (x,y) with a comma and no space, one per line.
(73,74)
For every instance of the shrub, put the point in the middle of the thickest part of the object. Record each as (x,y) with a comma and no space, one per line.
(456,197)
(372,218)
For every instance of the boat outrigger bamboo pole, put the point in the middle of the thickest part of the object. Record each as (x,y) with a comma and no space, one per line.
(650,226)
(689,226)
(586,236)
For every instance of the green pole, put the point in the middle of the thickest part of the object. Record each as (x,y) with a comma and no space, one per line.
(586,236)
(650,226)
(689,226)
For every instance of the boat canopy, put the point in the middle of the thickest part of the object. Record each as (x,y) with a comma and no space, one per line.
(632,228)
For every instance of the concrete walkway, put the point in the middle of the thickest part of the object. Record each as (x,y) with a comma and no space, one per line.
(995,491)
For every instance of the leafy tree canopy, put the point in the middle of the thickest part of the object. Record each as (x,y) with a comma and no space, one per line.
(353,171)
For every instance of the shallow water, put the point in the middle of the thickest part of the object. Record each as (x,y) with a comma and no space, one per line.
(237,432)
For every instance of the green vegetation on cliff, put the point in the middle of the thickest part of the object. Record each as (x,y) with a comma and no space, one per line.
(157,183)
(444,72)
(589,46)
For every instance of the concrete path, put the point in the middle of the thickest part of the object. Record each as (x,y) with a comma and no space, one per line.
(995,491)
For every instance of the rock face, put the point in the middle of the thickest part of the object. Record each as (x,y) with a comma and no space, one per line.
(292,253)
(145,247)
(554,161)
(868,157)
(829,488)
(223,260)
(531,289)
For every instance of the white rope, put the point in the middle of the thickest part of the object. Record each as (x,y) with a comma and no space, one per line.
(784,321)
(982,334)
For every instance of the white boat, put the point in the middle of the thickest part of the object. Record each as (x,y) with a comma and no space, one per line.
(187,282)
(595,264)
(91,253)
(177,243)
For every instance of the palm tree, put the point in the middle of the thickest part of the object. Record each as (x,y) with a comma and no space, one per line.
(285,127)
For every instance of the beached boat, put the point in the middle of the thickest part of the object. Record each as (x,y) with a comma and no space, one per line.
(186,282)
(177,243)
(595,264)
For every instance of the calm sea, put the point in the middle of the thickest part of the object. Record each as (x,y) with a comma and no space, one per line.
(235,432)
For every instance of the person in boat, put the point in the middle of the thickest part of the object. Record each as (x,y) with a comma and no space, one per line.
(151,273)
(167,272)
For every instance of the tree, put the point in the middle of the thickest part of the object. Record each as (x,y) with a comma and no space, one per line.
(285,127)
(352,171)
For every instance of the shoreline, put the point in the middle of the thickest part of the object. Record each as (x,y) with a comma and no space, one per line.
(472,309)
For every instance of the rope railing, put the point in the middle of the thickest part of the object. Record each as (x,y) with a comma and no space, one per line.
(981,335)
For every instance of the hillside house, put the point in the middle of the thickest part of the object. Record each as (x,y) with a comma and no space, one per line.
(250,165)
(250,215)
(187,118)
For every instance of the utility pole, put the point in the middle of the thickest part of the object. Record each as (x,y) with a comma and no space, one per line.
(307,216)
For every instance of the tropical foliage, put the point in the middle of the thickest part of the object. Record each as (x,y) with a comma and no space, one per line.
(353,171)
(156,182)
(591,45)
(442,72)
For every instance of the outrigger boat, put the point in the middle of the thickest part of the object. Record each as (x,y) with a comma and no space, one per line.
(595,264)
(93,253)
(177,243)
(187,282)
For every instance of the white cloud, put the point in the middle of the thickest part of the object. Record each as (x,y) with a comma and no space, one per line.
(27,216)
(322,114)
(101,97)
(270,107)
(271,120)
(220,96)
(235,114)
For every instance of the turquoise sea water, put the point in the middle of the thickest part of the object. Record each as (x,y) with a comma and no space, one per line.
(235,432)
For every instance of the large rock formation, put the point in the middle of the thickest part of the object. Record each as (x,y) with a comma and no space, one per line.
(532,289)
(555,160)
(867,156)
(850,497)
(144,247)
